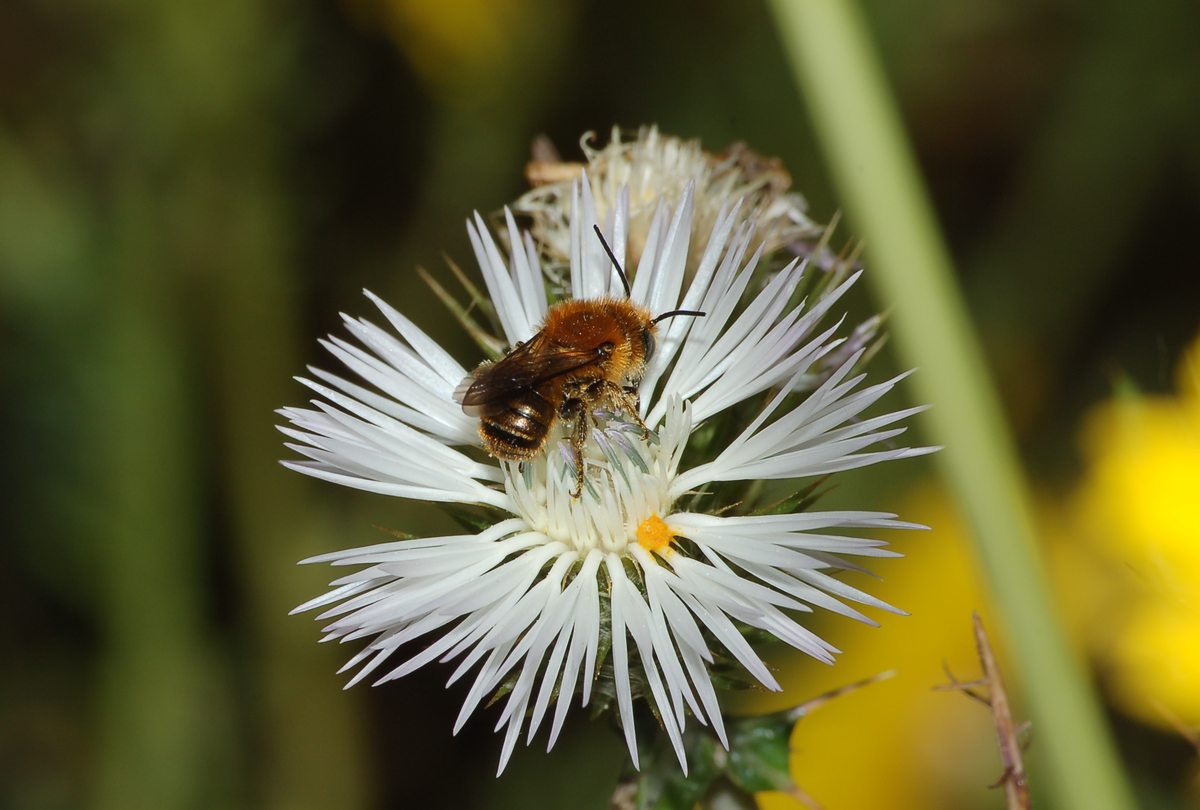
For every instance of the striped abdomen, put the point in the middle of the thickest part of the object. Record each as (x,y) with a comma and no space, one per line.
(516,428)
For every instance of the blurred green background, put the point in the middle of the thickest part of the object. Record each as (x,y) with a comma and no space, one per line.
(191,192)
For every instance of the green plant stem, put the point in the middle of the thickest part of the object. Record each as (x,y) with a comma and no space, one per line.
(873,167)
(156,668)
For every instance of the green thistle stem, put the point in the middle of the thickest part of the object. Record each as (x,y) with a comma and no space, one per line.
(872,165)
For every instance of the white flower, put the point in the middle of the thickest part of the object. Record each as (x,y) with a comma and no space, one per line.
(522,604)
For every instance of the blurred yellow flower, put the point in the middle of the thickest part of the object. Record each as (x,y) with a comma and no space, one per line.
(1155,663)
(900,744)
(454,40)
(1145,472)
(1138,509)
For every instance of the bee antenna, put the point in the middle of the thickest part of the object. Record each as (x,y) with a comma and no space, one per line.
(612,256)
(674,312)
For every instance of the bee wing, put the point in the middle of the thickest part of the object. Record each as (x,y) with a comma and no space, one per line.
(525,367)
(461,391)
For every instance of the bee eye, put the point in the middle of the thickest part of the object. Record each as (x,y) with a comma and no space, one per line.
(648,343)
(605,349)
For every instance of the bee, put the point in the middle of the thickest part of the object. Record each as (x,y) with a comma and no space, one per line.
(588,354)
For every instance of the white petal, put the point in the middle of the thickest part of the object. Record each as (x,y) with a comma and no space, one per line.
(501,289)
(620,654)
(527,272)
(428,349)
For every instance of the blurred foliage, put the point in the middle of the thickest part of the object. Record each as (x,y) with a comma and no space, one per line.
(189,194)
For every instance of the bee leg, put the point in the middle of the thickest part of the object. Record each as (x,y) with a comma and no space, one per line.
(626,399)
(635,391)
(573,409)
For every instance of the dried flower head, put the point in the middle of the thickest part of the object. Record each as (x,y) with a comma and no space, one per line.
(652,168)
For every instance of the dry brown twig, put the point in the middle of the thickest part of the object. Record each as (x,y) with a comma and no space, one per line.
(808,706)
(1008,733)
(798,793)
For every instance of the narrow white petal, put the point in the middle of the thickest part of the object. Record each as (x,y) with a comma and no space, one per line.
(712,617)
(551,676)
(620,654)
(527,273)
(644,278)
(651,657)
(428,349)
(586,628)
(499,283)
(461,495)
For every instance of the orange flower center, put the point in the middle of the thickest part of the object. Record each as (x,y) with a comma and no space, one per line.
(654,535)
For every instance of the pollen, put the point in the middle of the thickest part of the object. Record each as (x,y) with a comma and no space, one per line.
(654,534)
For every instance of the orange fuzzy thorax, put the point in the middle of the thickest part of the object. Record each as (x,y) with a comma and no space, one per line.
(590,323)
